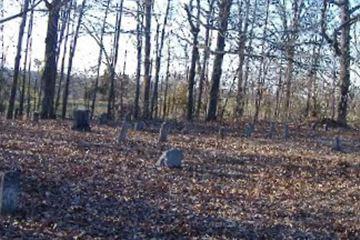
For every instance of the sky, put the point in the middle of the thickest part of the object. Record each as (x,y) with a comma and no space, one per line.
(87,50)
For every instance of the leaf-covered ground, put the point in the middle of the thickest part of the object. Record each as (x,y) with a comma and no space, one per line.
(86,186)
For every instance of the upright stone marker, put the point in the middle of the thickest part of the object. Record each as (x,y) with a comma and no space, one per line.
(36,117)
(139,126)
(104,119)
(286,132)
(9,191)
(337,145)
(249,129)
(171,159)
(81,120)
(272,131)
(222,132)
(164,131)
(124,132)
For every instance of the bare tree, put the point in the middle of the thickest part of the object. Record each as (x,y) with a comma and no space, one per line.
(342,49)
(49,75)
(154,99)
(147,61)
(224,13)
(96,84)
(14,86)
(71,59)
(195,29)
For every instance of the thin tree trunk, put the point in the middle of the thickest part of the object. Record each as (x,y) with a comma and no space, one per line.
(28,106)
(242,46)
(262,73)
(14,86)
(204,68)
(224,12)
(97,78)
(65,45)
(154,100)
(147,62)
(27,45)
(49,74)
(195,29)
(139,28)
(111,98)
(166,84)
(71,58)
(344,63)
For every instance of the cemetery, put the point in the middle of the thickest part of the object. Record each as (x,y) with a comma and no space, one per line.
(225,182)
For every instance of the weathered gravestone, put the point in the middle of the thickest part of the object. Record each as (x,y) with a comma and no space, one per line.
(249,129)
(222,132)
(272,131)
(139,126)
(337,145)
(164,131)
(9,191)
(81,120)
(36,117)
(172,159)
(104,119)
(123,132)
(286,132)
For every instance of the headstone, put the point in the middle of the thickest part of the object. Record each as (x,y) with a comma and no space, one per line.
(171,159)
(81,120)
(164,131)
(222,132)
(139,126)
(9,191)
(36,117)
(272,131)
(104,119)
(337,145)
(286,131)
(124,132)
(17,113)
(249,129)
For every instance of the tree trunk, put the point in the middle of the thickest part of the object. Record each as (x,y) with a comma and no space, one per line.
(12,99)
(344,63)
(71,58)
(147,62)
(28,105)
(139,29)
(262,72)
(62,69)
(224,12)
(165,107)
(23,87)
(111,98)
(49,74)
(195,29)
(242,45)
(154,100)
(96,85)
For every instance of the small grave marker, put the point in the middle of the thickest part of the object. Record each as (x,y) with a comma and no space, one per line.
(164,131)
(286,132)
(81,120)
(249,129)
(337,145)
(222,132)
(172,159)
(9,191)
(124,132)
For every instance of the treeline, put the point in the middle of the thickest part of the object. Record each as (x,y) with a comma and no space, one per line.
(195,59)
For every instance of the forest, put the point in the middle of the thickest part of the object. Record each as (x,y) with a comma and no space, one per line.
(179,119)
